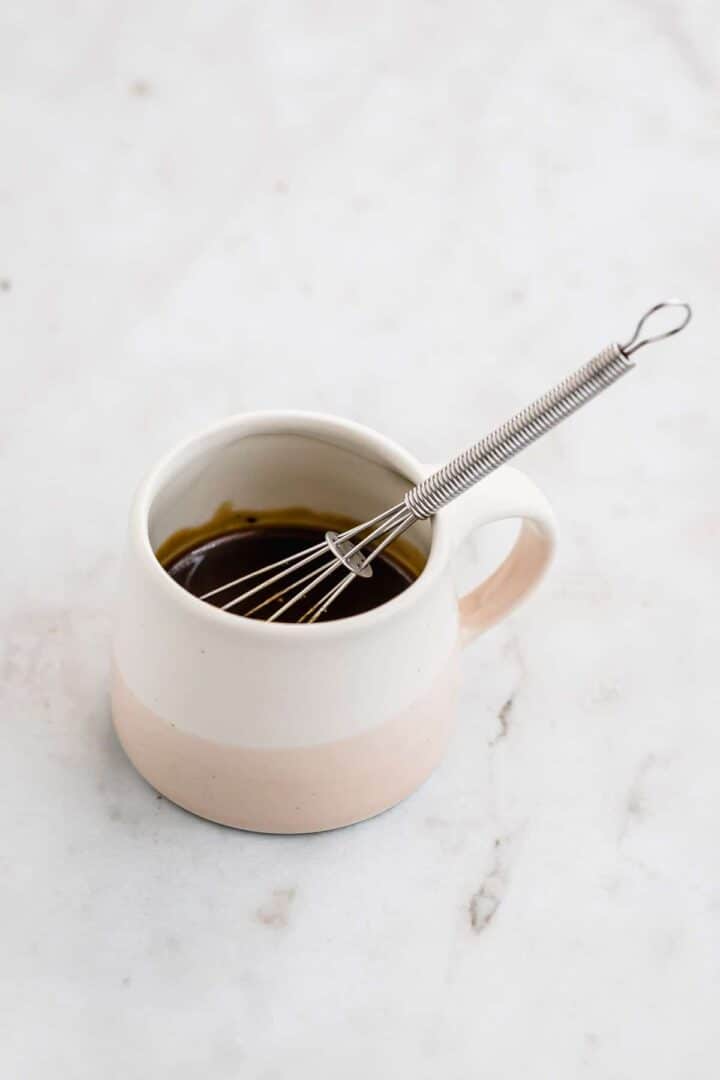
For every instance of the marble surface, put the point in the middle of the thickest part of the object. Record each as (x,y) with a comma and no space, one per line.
(416,215)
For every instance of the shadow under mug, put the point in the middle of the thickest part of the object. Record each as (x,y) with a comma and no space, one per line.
(284,728)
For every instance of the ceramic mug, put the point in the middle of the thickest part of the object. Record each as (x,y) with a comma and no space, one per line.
(283,728)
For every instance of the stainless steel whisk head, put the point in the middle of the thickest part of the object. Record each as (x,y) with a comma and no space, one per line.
(282,586)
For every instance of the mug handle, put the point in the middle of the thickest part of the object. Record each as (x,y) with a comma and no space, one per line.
(505,493)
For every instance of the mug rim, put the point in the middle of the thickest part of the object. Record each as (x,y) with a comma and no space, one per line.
(304,422)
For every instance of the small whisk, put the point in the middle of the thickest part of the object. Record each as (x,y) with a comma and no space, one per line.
(281,586)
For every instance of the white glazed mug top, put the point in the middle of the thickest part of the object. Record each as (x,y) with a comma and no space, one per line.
(283,727)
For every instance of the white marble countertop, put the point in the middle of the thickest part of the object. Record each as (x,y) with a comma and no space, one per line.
(416,215)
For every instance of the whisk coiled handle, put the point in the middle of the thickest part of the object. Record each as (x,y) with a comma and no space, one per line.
(519,431)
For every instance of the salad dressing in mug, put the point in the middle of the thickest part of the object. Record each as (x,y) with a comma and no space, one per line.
(234,543)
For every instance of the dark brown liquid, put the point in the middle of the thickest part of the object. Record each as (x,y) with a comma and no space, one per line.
(217,560)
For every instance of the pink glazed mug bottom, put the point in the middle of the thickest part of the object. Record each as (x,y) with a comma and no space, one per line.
(294,729)
(297,789)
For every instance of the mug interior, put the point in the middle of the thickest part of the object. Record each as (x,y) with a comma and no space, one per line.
(338,470)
